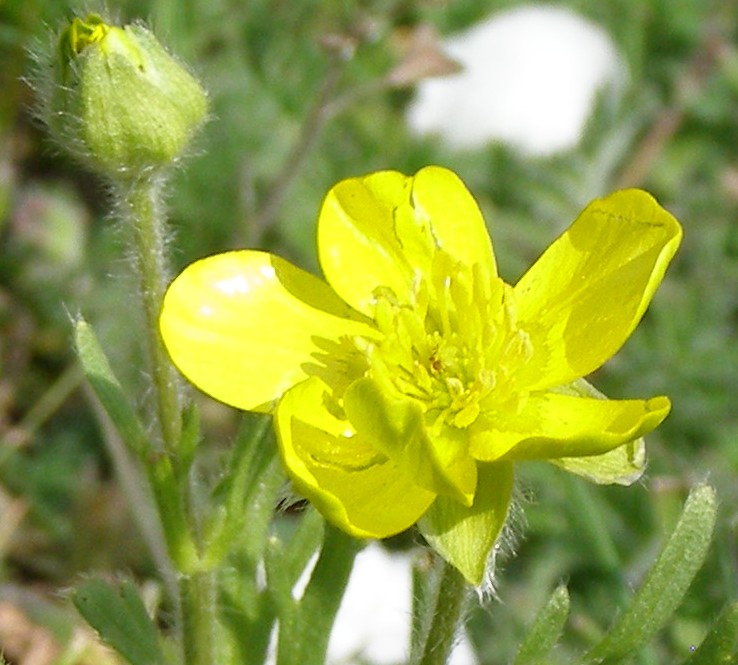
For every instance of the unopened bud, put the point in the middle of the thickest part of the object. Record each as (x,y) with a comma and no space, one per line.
(118,100)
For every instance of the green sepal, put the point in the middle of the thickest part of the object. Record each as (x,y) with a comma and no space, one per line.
(666,583)
(108,390)
(720,644)
(620,466)
(545,630)
(465,537)
(120,618)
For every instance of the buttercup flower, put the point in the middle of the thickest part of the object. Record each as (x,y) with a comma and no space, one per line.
(406,385)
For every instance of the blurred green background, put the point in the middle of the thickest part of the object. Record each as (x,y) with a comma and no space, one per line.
(299,101)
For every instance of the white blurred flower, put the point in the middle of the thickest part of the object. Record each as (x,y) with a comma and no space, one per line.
(373,623)
(530,78)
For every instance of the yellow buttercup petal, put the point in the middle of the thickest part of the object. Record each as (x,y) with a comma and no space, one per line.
(552,425)
(396,427)
(458,226)
(584,296)
(357,246)
(383,229)
(246,326)
(622,465)
(355,486)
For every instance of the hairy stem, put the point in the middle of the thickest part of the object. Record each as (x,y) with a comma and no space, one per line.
(143,206)
(444,609)
(142,203)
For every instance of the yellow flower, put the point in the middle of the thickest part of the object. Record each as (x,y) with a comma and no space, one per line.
(406,385)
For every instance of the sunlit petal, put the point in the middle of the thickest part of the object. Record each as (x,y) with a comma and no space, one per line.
(552,425)
(584,296)
(355,486)
(458,226)
(246,326)
(382,229)
(396,427)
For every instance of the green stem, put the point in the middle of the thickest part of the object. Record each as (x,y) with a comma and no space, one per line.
(143,205)
(305,625)
(198,596)
(444,610)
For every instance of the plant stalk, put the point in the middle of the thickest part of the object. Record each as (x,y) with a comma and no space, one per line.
(143,206)
(444,611)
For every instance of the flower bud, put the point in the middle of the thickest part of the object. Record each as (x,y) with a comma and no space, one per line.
(118,100)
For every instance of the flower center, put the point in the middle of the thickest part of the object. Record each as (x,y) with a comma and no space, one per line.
(450,348)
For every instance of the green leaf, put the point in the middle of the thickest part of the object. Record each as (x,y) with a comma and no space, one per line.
(666,583)
(719,646)
(545,630)
(119,616)
(108,389)
(465,536)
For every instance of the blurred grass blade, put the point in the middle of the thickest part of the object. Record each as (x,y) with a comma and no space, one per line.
(108,389)
(666,583)
(719,646)
(545,630)
(119,616)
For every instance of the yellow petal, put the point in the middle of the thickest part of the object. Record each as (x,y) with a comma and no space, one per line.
(382,229)
(552,425)
(584,296)
(458,226)
(352,484)
(357,246)
(246,326)
(622,465)
(396,427)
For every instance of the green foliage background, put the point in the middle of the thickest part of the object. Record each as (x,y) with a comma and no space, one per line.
(267,65)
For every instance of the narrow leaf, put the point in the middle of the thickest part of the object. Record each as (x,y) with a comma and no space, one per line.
(119,616)
(719,646)
(545,630)
(666,583)
(108,389)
